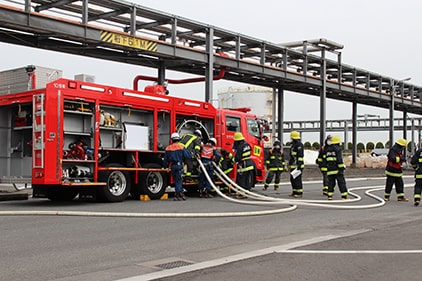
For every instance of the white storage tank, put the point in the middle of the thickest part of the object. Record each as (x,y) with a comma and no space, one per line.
(258,99)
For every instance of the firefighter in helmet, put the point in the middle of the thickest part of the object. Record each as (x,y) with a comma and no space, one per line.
(226,164)
(192,142)
(334,166)
(320,161)
(394,170)
(174,157)
(245,166)
(416,163)
(275,165)
(296,164)
(209,154)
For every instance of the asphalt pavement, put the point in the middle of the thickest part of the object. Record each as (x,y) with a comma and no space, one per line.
(311,243)
(388,253)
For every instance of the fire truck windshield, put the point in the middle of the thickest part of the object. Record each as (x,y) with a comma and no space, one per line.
(253,127)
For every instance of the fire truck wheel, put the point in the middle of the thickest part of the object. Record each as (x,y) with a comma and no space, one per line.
(61,194)
(153,184)
(118,184)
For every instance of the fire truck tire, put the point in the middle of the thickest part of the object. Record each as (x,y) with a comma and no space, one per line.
(61,194)
(153,184)
(118,184)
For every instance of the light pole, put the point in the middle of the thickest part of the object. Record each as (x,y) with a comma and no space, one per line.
(394,84)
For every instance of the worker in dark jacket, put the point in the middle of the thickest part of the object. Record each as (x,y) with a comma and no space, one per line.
(174,157)
(192,142)
(335,168)
(394,170)
(209,154)
(226,164)
(226,160)
(321,162)
(296,165)
(275,165)
(245,166)
(416,163)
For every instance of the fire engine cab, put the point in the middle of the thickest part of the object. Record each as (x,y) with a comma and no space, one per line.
(102,142)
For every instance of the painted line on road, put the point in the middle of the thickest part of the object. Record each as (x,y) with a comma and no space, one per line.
(243,256)
(352,252)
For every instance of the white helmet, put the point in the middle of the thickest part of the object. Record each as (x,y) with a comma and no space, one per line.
(175,136)
(198,133)
(213,140)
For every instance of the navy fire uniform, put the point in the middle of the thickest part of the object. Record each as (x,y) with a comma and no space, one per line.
(296,162)
(192,142)
(335,168)
(245,165)
(275,165)
(321,162)
(174,157)
(416,162)
(394,171)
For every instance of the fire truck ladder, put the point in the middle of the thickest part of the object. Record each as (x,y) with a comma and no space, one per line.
(38,129)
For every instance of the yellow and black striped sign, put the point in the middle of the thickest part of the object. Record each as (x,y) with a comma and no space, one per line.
(128,41)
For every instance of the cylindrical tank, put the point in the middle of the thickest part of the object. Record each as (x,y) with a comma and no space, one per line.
(258,99)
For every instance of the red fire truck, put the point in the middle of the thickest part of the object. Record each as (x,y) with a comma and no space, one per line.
(104,143)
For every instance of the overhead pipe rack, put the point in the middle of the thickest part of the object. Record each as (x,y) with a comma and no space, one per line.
(134,34)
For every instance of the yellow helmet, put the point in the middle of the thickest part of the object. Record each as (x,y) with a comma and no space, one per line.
(401,142)
(294,135)
(335,140)
(238,136)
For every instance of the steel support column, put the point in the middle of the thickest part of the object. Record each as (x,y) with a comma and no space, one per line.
(27,6)
(322,99)
(174,31)
(280,113)
(354,132)
(274,109)
(405,129)
(391,117)
(412,146)
(209,69)
(345,137)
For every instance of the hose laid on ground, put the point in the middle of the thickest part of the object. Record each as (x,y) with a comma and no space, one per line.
(229,182)
(258,199)
(317,203)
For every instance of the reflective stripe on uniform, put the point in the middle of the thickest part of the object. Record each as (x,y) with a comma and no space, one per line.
(241,170)
(388,173)
(330,173)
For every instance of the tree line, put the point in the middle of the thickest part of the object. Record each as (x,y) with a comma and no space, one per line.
(368,147)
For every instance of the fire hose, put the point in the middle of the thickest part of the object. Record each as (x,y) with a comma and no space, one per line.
(319,203)
(252,199)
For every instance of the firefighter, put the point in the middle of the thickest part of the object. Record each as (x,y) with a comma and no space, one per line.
(209,154)
(296,165)
(192,142)
(394,171)
(174,157)
(226,164)
(275,165)
(334,166)
(416,163)
(245,166)
(320,161)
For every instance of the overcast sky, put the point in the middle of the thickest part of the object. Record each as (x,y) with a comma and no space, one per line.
(381,36)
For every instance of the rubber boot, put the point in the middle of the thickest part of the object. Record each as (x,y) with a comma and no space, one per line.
(176,196)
